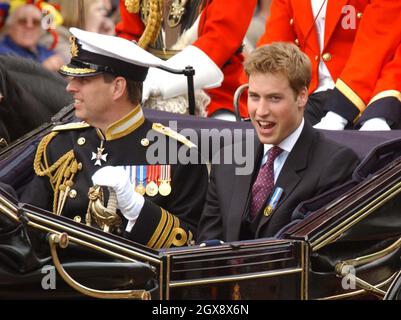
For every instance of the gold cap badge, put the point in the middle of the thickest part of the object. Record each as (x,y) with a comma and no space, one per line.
(74,47)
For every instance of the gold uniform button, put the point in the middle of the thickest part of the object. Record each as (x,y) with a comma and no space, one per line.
(81,141)
(80,166)
(316,58)
(359,15)
(326,57)
(297,42)
(77,219)
(145,142)
(72,194)
(291,22)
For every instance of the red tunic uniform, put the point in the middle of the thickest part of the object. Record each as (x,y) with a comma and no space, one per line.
(354,57)
(386,97)
(222,27)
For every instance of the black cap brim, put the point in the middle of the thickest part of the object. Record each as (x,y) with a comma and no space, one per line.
(73,70)
(79,65)
(87,64)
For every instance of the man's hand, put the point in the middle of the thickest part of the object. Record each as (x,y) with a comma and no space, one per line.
(331,121)
(129,202)
(375,124)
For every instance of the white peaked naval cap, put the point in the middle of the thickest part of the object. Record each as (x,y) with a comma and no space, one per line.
(94,53)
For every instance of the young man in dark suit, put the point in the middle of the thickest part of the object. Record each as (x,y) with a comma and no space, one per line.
(292,161)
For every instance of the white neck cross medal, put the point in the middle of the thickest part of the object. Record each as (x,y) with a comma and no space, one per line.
(99,155)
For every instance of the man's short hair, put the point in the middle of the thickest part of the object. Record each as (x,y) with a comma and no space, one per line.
(134,88)
(281,57)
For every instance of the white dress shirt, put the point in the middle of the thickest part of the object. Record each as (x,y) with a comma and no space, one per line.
(325,80)
(286,145)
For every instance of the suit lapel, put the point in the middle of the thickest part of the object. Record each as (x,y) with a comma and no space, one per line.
(304,15)
(290,174)
(239,202)
(333,17)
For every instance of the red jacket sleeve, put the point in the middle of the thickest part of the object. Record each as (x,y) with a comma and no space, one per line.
(375,44)
(386,98)
(222,28)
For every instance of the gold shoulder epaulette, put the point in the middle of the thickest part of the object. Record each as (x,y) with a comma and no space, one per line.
(172,134)
(71,126)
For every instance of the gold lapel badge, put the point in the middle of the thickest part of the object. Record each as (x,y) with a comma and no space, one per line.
(278,192)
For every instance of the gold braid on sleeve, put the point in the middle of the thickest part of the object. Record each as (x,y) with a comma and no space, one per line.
(60,173)
(132,5)
(153,22)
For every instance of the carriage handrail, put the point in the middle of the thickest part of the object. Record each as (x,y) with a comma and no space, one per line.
(356,262)
(62,241)
(343,268)
(237,96)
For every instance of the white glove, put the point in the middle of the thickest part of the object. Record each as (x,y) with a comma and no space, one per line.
(159,82)
(129,202)
(331,121)
(375,124)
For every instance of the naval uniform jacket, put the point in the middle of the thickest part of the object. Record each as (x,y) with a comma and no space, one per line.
(354,57)
(164,221)
(222,28)
(314,165)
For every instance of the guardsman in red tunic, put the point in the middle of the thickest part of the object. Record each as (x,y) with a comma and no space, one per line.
(192,29)
(349,43)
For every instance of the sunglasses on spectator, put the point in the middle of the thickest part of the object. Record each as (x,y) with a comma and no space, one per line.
(24,21)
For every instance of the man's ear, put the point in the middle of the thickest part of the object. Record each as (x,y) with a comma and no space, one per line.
(120,85)
(302,98)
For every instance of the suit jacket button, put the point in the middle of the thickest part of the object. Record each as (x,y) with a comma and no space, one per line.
(291,22)
(326,56)
(297,42)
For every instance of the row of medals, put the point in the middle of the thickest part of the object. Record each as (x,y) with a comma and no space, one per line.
(152,188)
